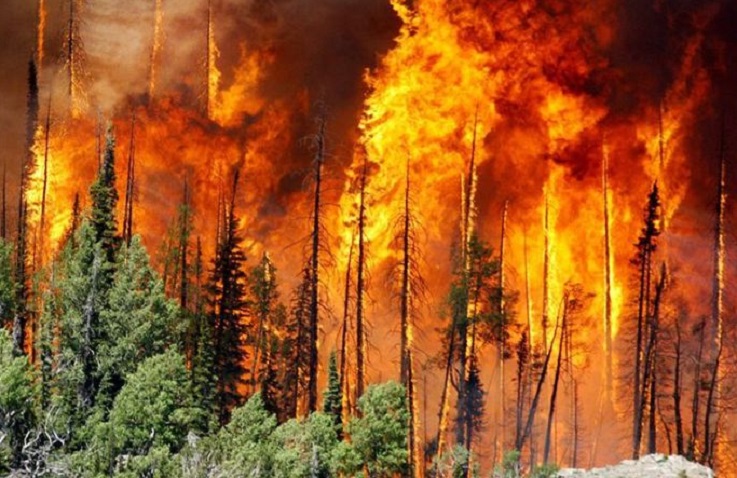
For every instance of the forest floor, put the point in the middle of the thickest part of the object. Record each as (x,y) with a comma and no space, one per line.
(649,466)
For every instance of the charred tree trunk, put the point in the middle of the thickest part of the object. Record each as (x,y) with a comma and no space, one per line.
(184,231)
(647,403)
(677,389)
(40,33)
(716,326)
(646,248)
(546,276)
(130,186)
(40,242)
(536,398)
(21,260)
(347,403)
(315,265)
(4,218)
(503,315)
(405,289)
(695,402)
(607,283)
(556,380)
(155,46)
(361,286)
(523,357)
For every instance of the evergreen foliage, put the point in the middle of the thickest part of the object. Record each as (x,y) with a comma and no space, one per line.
(333,398)
(229,306)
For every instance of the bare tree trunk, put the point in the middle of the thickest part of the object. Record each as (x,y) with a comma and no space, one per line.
(716,326)
(640,386)
(361,286)
(130,185)
(607,282)
(39,259)
(576,426)
(183,246)
(536,398)
(677,389)
(3,224)
(40,33)
(21,260)
(556,379)
(546,276)
(405,288)
(156,46)
(444,413)
(315,265)
(648,376)
(503,314)
(210,64)
(695,403)
(344,385)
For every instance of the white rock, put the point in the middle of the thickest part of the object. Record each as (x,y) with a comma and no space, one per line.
(649,466)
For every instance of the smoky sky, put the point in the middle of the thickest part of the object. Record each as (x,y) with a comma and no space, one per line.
(322,48)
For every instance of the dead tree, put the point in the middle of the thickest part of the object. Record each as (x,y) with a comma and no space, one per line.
(185,229)
(607,281)
(716,327)
(40,33)
(556,377)
(649,370)
(211,79)
(21,258)
(693,440)
(503,319)
(676,392)
(156,45)
(4,218)
(646,247)
(314,267)
(411,290)
(39,255)
(459,314)
(546,276)
(361,284)
(130,186)
(523,364)
(347,403)
(74,59)
(527,429)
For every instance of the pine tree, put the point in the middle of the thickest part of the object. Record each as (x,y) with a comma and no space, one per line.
(83,296)
(473,408)
(263,288)
(332,399)
(137,322)
(105,200)
(228,307)
(297,379)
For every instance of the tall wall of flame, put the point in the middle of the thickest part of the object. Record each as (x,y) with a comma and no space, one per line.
(554,84)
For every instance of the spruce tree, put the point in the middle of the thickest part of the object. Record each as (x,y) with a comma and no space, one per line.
(332,398)
(228,307)
(138,321)
(105,200)
(263,288)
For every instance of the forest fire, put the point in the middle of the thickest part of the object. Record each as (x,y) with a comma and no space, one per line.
(523,203)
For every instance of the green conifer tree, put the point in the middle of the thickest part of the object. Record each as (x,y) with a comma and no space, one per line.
(332,398)
(104,201)
(228,308)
